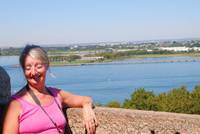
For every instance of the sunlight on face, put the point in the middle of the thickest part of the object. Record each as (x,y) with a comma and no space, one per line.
(35,71)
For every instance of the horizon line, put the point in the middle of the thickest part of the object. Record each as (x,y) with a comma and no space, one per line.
(99,42)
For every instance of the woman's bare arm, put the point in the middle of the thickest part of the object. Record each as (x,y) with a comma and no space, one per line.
(11,123)
(85,102)
(75,101)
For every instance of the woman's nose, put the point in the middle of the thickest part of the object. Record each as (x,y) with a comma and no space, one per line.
(33,71)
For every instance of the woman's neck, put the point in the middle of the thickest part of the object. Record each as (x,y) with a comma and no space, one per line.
(37,89)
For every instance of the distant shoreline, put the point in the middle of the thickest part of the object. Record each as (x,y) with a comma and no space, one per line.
(135,60)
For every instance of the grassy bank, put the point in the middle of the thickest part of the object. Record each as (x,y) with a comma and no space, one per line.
(105,60)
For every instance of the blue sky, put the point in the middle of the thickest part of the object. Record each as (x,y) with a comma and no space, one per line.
(88,21)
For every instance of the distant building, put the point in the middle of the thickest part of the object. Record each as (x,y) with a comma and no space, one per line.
(179,49)
(196,48)
(176,49)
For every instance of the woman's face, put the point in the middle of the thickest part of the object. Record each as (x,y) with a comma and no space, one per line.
(35,71)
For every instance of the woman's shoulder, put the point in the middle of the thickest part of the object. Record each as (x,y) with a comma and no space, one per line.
(18,98)
(56,93)
(53,90)
(62,94)
(14,103)
(15,106)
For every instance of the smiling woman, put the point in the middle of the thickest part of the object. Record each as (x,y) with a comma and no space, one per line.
(37,108)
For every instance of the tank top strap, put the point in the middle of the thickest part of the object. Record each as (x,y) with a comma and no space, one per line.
(24,104)
(56,95)
(18,98)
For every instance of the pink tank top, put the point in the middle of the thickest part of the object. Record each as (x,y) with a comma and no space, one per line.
(34,121)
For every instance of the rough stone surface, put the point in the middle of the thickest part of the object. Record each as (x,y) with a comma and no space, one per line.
(124,121)
(5,89)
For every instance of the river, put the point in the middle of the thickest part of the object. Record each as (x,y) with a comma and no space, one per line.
(115,80)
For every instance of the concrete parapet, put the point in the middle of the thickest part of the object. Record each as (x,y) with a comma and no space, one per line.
(125,121)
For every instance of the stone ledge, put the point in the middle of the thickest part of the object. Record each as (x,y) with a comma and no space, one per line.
(125,121)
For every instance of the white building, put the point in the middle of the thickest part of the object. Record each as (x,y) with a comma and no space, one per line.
(176,49)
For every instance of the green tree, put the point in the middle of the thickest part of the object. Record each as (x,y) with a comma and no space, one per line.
(71,58)
(142,100)
(195,95)
(177,100)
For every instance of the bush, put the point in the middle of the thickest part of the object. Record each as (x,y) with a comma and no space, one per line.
(141,99)
(178,100)
(195,95)
(114,104)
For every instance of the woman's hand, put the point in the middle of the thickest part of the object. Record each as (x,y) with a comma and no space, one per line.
(89,119)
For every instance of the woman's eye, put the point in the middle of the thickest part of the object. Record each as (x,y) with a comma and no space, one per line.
(28,67)
(39,66)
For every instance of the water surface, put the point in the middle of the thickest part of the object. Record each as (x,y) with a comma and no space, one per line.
(106,82)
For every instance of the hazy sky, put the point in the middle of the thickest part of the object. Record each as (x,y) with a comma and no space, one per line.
(86,21)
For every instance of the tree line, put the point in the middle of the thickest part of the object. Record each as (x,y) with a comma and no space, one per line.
(178,100)
(66,58)
(118,55)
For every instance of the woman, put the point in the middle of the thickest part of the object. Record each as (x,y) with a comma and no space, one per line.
(37,108)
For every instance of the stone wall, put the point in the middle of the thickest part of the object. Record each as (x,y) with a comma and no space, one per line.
(124,121)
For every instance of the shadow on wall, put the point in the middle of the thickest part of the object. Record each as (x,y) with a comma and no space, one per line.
(5,93)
